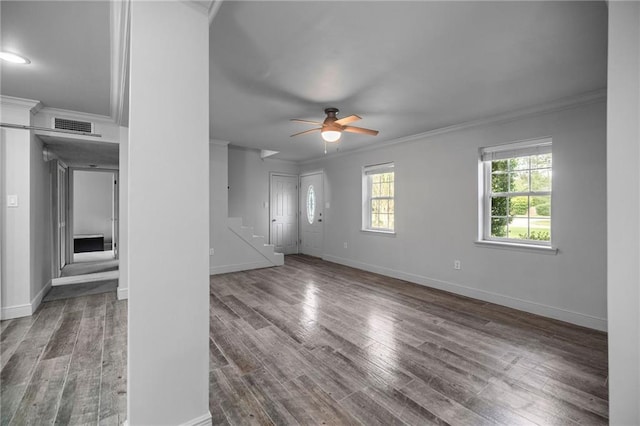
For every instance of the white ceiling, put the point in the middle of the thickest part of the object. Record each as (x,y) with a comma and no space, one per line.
(405,67)
(68,44)
(83,153)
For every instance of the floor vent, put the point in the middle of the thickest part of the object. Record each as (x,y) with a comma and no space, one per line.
(75,125)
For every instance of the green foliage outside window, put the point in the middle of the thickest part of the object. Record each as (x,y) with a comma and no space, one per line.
(382,207)
(525,214)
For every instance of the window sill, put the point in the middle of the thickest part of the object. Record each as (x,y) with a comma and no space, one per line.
(379,231)
(517,247)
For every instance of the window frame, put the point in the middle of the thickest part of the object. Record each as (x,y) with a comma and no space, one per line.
(367,173)
(509,151)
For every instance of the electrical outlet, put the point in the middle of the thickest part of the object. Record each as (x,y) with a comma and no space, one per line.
(457,264)
(210,252)
(345,244)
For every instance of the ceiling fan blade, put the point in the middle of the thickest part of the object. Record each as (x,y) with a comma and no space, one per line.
(305,132)
(306,121)
(347,120)
(361,130)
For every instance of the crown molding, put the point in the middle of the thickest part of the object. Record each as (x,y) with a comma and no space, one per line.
(206,7)
(214,6)
(201,6)
(32,105)
(119,27)
(546,108)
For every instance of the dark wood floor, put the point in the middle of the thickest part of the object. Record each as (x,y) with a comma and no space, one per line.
(318,343)
(66,363)
(313,342)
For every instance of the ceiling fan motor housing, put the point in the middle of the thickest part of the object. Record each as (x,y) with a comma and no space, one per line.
(328,123)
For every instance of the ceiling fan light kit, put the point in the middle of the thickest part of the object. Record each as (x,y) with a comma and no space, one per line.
(14,58)
(332,127)
(331,135)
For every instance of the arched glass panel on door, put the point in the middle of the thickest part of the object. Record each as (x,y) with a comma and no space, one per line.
(311,204)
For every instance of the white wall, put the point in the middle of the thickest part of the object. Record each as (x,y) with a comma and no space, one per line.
(437,217)
(623,158)
(230,252)
(93,203)
(168,339)
(16,266)
(25,231)
(218,198)
(249,186)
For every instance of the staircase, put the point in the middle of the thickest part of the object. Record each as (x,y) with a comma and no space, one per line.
(258,242)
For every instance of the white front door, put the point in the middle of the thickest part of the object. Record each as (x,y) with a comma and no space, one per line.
(311,217)
(284,209)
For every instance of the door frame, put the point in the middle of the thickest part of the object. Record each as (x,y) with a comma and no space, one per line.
(70,200)
(271,175)
(59,214)
(300,176)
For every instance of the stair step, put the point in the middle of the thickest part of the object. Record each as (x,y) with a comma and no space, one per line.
(257,241)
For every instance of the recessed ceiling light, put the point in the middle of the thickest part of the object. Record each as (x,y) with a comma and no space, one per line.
(12,57)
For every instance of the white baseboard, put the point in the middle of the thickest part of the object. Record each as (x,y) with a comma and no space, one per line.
(225,269)
(17,311)
(204,420)
(123,293)
(572,317)
(35,302)
(86,278)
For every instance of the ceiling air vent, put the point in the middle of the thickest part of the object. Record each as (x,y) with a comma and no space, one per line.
(75,125)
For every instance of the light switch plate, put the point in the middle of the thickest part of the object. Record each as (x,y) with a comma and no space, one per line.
(12,201)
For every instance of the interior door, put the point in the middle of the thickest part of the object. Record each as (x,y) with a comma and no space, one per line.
(284,218)
(311,218)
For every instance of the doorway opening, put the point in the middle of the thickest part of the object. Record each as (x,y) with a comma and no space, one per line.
(92,237)
(296,213)
(94,215)
(85,211)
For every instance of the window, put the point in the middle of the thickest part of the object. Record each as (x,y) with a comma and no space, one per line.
(311,204)
(516,192)
(378,210)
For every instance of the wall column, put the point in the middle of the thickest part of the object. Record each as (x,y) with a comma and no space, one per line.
(168,225)
(15,229)
(623,207)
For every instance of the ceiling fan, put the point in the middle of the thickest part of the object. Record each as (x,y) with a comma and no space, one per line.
(332,127)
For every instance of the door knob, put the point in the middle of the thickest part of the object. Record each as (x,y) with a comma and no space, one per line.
(273,220)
